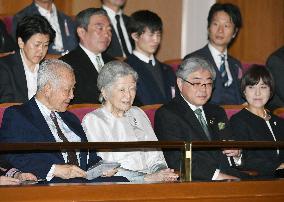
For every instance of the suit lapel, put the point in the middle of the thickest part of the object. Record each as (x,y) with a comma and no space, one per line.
(20,76)
(39,122)
(190,118)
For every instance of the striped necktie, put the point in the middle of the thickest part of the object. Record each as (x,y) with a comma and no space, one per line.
(202,122)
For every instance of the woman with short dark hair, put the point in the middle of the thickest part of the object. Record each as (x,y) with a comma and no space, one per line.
(255,123)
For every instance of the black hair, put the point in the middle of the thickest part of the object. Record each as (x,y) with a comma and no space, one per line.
(232,10)
(140,20)
(253,75)
(34,24)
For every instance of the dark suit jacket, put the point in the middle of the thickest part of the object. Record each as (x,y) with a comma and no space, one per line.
(249,127)
(66,24)
(115,49)
(176,121)
(148,91)
(219,89)
(275,64)
(86,90)
(4,166)
(25,123)
(13,83)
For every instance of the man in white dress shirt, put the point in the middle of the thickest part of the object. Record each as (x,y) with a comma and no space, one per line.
(120,45)
(63,25)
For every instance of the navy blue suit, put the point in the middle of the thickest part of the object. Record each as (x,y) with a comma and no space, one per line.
(66,24)
(148,91)
(25,123)
(223,95)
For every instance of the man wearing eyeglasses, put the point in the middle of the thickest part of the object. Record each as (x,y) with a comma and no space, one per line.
(189,117)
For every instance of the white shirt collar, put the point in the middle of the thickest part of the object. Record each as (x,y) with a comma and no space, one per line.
(216,54)
(111,14)
(92,56)
(45,12)
(144,58)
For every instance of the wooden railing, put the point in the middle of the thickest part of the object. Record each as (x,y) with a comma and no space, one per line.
(241,191)
(186,147)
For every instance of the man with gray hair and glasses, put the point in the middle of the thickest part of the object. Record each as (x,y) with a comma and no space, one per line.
(44,119)
(188,117)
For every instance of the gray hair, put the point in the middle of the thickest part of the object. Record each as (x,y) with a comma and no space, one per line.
(83,17)
(48,72)
(111,72)
(193,64)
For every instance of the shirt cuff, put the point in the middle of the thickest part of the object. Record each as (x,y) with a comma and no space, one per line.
(50,174)
(238,160)
(216,173)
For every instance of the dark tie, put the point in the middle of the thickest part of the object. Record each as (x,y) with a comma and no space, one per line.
(223,70)
(71,155)
(202,122)
(123,43)
(150,63)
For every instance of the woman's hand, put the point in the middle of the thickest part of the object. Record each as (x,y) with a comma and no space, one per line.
(109,173)
(26,176)
(163,175)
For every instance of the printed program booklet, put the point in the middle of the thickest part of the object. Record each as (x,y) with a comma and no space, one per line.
(100,167)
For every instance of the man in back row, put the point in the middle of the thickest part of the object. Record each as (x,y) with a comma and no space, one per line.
(94,31)
(156,83)
(224,23)
(44,119)
(63,25)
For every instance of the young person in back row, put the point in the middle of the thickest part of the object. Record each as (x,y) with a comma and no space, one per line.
(224,23)
(156,83)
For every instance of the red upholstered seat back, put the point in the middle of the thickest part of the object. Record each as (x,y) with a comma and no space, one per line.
(150,111)
(3,107)
(80,110)
(279,112)
(232,109)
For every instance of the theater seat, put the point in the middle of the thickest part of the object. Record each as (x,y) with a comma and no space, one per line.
(150,111)
(174,63)
(279,112)
(232,109)
(80,110)
(3,106)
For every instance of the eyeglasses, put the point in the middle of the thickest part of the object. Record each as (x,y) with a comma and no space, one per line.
(199,85)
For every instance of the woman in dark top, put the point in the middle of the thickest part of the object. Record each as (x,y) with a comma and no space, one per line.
(12,176)
(255,123)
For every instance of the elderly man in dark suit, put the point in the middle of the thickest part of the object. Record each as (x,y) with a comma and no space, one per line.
(224,22)
(120,45)
(94,31)
(275,63)
(188,117)
(44,119)
(63,25)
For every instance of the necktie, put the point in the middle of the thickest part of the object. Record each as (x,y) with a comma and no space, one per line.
(100,65)
(71,155)
(150,63)
(223,70)
(120,33)
(202,121)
